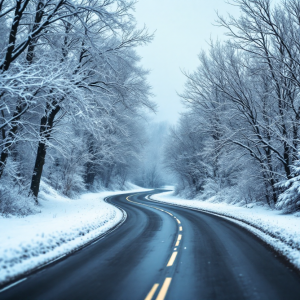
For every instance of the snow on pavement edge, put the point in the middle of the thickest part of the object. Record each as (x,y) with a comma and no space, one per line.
(63,226)
(280,231)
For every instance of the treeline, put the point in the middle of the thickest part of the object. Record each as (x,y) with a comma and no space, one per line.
(72,95)
(240,134)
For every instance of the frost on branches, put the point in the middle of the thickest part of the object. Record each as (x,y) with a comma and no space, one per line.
(73,96)
(289,200)
(239,136)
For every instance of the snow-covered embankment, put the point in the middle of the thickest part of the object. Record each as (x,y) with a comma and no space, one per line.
(62,226)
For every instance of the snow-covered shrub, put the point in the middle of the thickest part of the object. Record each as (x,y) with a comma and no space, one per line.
(14,198)
(67,178)
(14,202)
(65,170)
(289,200)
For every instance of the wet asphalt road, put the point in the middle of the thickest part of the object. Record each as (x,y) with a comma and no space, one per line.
(176,253)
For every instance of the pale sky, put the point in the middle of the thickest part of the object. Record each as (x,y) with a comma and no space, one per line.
(183,28)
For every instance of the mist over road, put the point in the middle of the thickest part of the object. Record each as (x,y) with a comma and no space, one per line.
(165,252)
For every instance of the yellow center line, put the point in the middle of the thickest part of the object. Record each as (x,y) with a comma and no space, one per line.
(172,259)
(164,289)
(127,198)
(152,291)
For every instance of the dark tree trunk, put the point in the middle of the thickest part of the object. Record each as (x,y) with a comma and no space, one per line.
(286,148)
(10,136)
(286,155)
(38,18)
(267,190)
(90,175)
(271,172)
(38,169)
(20,7)
(90,166)
(108,175)
(22,106)
(45,134)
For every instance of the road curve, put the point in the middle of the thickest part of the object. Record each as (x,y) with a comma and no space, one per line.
(165,252)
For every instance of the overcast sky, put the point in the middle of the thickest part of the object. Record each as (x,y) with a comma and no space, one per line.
(183,28)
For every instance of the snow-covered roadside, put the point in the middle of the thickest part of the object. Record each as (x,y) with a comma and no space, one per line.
(62,226)
(280,231)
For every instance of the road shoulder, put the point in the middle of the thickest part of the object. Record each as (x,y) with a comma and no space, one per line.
(281,232)
(62,227)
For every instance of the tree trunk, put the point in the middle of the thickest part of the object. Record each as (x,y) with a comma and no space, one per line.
(90,166)
(108,175)
(10,136)
(89,175)
(38,169)
(22,106)
(19,10)
(38,18)
(45,134)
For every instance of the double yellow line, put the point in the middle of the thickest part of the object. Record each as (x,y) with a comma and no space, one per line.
(164,289)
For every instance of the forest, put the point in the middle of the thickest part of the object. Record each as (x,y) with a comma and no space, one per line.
(74,97)
(239,138)
(75,106)
(131,168)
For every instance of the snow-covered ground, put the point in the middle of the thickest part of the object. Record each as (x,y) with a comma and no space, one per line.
(279,230)
(62,226)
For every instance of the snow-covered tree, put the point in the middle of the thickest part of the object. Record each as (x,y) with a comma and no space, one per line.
(72,92)
(244,100)
(289,200)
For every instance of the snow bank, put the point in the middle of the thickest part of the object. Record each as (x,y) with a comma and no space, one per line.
(279,230)
(62,226)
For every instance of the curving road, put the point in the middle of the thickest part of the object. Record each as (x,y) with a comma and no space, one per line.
(165,252)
